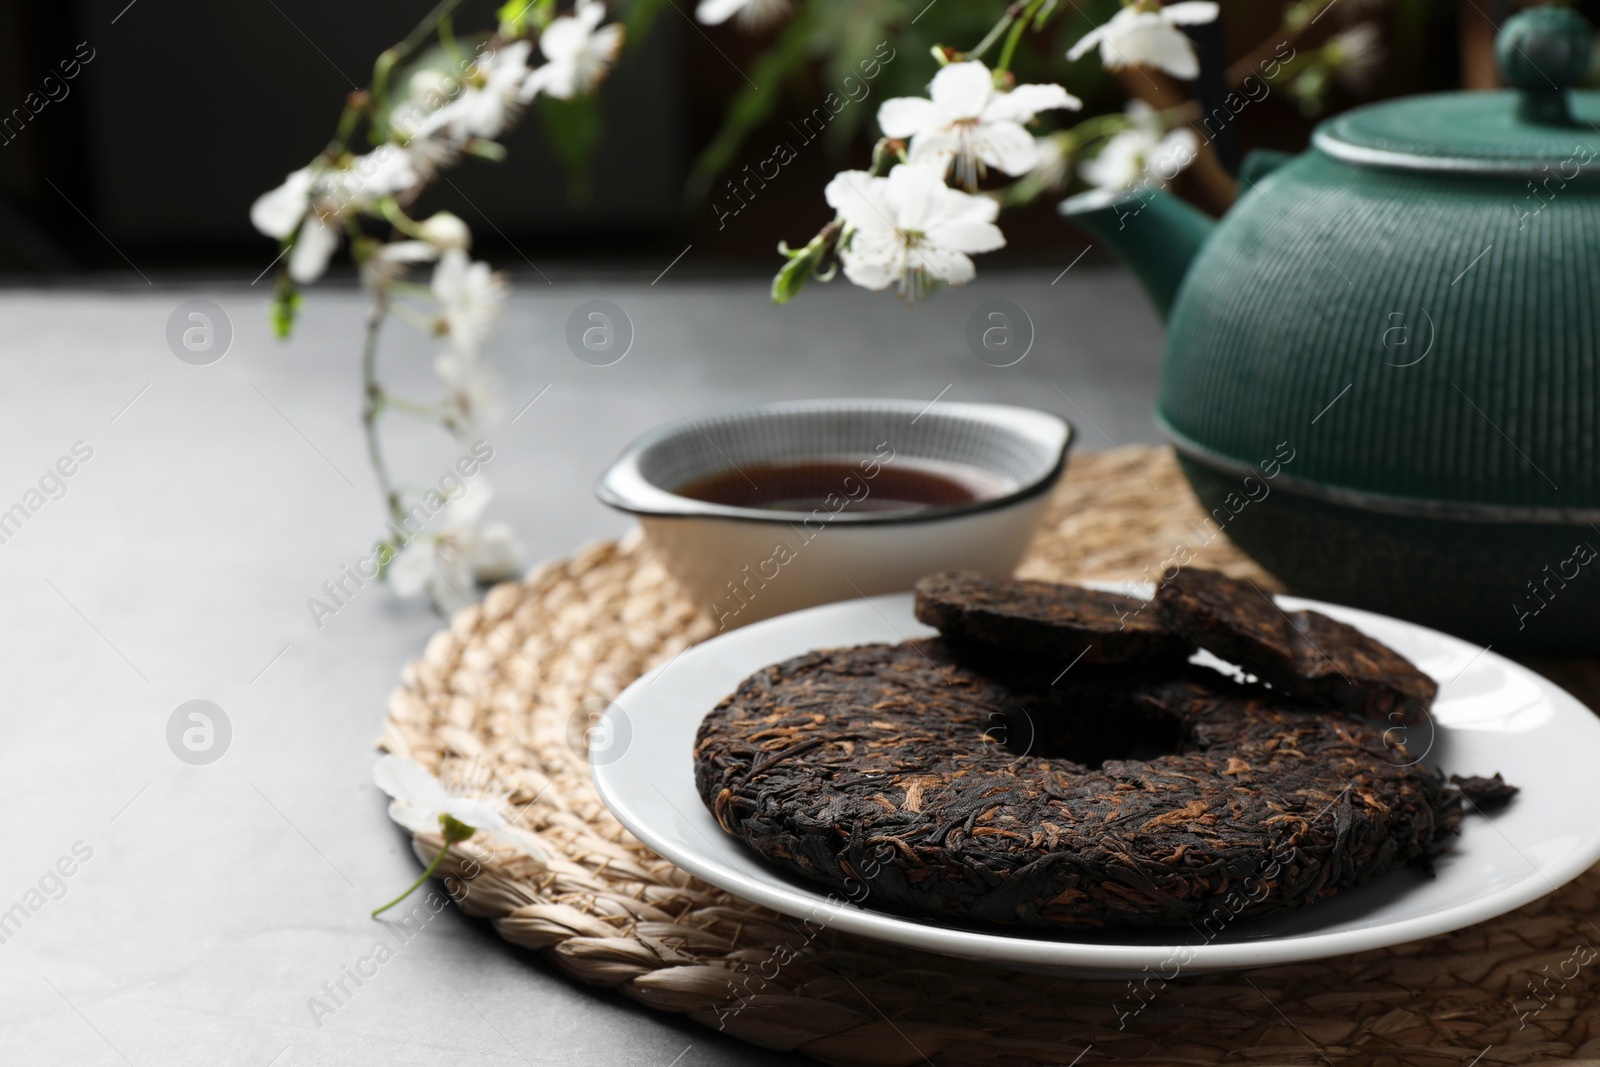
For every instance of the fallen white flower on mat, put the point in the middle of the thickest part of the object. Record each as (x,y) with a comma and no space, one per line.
(1145,34)
(449,564)
(749,14)
(456,807)
(1144,154)
(579,52)
(420,801)
(910,228)
(970,123)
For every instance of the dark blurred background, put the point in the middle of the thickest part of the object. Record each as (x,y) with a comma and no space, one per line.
(183,113)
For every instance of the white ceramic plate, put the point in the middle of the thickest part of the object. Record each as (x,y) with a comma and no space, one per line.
(1492,715)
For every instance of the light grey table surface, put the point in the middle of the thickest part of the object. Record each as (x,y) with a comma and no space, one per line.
(216,900)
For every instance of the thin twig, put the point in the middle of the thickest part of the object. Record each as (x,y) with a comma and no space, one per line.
(372,405)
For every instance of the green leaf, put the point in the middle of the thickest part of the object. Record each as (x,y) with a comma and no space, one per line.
(513,16)
(286,299)
(493,151)
(805,263)
(573,128)
(788,282)
(1310,87)
(637,22)
(386,553)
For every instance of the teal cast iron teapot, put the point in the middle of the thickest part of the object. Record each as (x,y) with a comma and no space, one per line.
(1382,374)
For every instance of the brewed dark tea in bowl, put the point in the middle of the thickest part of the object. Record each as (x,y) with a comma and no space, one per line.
(764,510)
(808,486)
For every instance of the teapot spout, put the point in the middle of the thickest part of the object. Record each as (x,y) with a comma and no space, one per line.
(1153,232)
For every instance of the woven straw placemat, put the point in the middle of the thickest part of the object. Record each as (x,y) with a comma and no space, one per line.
(498,695)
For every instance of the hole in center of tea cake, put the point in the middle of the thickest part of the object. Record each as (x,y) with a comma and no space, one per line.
(1088,736)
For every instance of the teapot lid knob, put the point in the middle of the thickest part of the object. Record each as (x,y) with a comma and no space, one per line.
(1543,52)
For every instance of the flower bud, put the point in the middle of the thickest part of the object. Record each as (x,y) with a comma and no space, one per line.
(445,231)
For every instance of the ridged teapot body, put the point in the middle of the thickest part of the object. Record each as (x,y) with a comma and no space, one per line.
(1424,337)
(1420,330)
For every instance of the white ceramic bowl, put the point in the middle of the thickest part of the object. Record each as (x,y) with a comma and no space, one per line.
(746,564)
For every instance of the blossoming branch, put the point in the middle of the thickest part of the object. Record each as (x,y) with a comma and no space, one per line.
(434,100)
(917,216)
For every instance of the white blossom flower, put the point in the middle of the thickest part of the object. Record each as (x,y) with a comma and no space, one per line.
(469,295)
(311,203)
(457,810)
(391,259)
(394,168)
(579,52)
(432,87)
(439,232)
(1050,161)
(278,212)
(489,101)
(750,14)
(1145,34)
(1143,154)
(471,399)
(971,123)
(449,564)
(293,209)
(314,246)
(910,228)
(418,800)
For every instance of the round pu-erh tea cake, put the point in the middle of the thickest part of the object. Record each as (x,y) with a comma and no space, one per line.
(1130,797)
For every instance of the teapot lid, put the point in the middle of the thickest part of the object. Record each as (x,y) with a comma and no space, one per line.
(1539,123)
